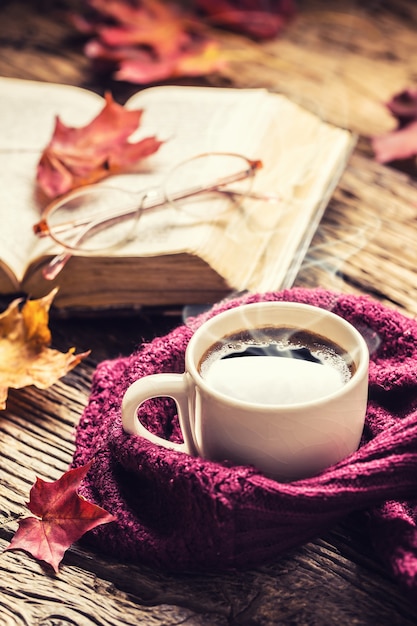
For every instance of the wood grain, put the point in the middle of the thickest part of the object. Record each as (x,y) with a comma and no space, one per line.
(349,60)
(344,60)
(366,241)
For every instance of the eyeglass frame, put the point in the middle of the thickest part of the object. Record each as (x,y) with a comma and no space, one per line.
(42,229)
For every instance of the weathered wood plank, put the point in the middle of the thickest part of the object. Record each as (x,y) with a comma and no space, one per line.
(365,242)
(357,56)
(343,60)
(79,597)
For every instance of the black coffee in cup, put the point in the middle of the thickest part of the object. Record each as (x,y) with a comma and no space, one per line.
(276,366)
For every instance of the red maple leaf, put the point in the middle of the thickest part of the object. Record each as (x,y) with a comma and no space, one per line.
(62,518)
(85,155)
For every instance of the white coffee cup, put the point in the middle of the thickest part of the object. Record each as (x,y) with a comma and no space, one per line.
(285,437)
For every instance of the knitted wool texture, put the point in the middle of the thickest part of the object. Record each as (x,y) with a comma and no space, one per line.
(178,512)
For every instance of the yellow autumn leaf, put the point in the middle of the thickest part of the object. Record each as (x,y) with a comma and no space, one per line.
(25,356)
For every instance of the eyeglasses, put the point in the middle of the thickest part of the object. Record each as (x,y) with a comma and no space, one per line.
(93,219)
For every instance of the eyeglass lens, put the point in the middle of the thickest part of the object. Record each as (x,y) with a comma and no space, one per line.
(225,179)
(94,219)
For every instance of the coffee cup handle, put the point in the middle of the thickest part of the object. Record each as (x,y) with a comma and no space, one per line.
(155,386)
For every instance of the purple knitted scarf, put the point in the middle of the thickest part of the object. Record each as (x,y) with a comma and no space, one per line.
(179,512)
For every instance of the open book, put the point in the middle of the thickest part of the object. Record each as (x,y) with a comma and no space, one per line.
(174,260)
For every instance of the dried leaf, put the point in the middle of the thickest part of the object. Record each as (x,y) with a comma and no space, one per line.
(250,17)
(141,68)
(150,40)
(25,358)
(62,517)
(402,142)
(79,156)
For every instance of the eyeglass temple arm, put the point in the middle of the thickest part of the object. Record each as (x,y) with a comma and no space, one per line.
(56,265)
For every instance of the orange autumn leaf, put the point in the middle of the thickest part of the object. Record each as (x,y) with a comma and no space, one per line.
(62,517)
(165,27)
(150,40)
(141,67)
(25,358)
(85,155)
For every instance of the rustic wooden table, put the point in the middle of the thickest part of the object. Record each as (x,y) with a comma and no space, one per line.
(349,59)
